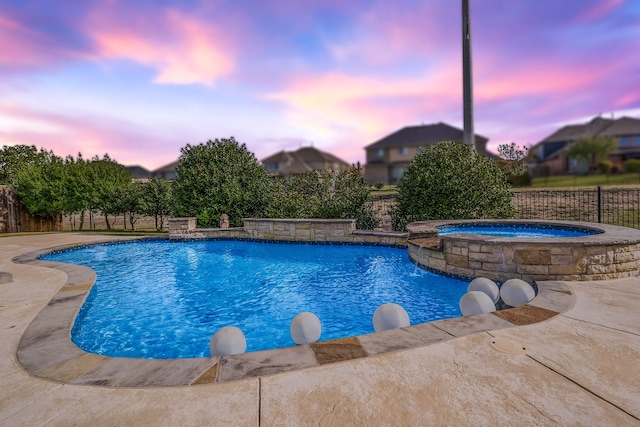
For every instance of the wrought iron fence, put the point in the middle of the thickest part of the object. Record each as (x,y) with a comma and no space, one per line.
(617,206)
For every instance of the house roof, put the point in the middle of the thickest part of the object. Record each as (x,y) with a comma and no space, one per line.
(598,126)
(573,132)
(423,134)
(138,171)
(301,160)
(171,167)
(623,126)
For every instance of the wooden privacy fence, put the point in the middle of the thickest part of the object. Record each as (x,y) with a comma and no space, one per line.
(14,217)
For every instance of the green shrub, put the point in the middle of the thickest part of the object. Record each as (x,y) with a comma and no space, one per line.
(522,180)
(219,177)
(323,194)
(631,165)
(605,166)
(379,185)
(450,180)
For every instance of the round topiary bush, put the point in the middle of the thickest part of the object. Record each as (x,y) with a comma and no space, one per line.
(451,180)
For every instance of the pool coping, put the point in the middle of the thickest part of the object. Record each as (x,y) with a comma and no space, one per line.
(46,350)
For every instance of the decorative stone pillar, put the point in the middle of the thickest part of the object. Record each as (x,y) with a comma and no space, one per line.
(180,227)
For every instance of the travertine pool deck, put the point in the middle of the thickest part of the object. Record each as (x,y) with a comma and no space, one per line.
(576,361)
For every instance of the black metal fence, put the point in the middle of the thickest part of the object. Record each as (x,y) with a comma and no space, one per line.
(617,206)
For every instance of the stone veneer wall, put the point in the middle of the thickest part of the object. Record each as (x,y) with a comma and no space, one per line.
(286,229)
(612,254)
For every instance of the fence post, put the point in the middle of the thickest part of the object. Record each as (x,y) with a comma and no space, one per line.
(599,205)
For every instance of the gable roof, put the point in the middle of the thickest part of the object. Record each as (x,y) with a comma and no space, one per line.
(423,134)
(558,142)
(138,171)
(302,160)
(573,132)
(622,127)
(171,167)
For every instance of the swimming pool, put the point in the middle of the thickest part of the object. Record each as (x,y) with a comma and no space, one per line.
(157,299)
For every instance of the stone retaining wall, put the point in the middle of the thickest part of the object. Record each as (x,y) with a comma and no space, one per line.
(287,229)
(615,253)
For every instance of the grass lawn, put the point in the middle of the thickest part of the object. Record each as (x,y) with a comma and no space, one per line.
(387,189)
(614,180)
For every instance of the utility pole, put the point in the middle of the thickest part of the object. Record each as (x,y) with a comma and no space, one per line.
(467,84)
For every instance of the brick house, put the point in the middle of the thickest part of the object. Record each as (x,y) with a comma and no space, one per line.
(550,154)
(388,157)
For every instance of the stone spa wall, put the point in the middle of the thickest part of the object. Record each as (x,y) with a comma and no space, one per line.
(614,253)
(288,230)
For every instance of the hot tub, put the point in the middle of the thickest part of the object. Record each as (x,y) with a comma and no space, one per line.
(602,252)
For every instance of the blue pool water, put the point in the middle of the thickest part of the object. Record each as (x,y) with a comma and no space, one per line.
(519,230)
(157,299)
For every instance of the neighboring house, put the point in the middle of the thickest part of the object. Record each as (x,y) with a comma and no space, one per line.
(550,154)
(166,172)
(303,160)
(389,157)
(138,172)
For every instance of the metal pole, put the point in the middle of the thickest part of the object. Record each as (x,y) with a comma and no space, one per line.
(467,84)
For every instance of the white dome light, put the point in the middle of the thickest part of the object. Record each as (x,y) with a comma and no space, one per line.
(487,286)
(516,292)
(390,316)
(227,341)
(305,328)
(476,302)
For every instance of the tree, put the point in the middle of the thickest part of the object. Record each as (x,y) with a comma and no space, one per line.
(217,177)
(514,156)
(76,189)
(14,158)
(513,163)
(107,178)
(131,197)
(157,199)
(592,149)
(40,185)
(450,180)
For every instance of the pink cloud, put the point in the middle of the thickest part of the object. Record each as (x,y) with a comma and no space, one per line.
(628,99)
(341,98)
(181,48)
(600,9)
(23,46)
(534,79)
(70,135)
(342,113)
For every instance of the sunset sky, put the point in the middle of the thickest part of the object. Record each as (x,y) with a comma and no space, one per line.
(141,79)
